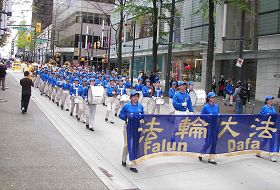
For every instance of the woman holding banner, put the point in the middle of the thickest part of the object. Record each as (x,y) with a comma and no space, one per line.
(131,108)
(269,110)
(210,108)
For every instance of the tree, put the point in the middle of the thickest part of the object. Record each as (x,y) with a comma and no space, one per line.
(208,10)
(148,10)
(22,42)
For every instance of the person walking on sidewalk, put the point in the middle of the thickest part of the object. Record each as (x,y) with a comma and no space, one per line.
(26,84)
(229,93)
(3,74)
(137,109)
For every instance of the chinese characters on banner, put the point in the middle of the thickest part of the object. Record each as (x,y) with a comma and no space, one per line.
(207,134)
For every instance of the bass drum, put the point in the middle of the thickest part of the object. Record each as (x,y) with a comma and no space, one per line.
(95,94)
(198,97)
(124,98)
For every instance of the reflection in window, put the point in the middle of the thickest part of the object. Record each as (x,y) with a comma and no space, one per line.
(181,70)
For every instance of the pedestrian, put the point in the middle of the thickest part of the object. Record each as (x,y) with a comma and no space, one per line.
(26,84)
(135,108)
(248,91)
(229,93)
(221,86)
(268,109)
(210,108)
(214,85)
(182,101)
(239,98)
(3,74)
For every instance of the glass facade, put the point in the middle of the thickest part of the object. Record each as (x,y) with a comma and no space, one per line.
(269,14)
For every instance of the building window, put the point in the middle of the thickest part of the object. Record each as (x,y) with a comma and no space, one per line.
(181,70)
(145,27)
(269,14)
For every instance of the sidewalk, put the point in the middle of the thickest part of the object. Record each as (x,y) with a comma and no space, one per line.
(102,151)
(33,154)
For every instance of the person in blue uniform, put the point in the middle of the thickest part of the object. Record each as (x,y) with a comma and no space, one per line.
(171,93)
(138,87)
(82,108)
(147,101)
(268,109)
(75,92)
(59,84)
(112,101)
(158,95)
(65,94)
(121,91)
(210,108)
(182,101)
(127,84)
(132,107)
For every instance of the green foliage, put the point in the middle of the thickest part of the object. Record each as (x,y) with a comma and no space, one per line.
(203,8)
(22,38)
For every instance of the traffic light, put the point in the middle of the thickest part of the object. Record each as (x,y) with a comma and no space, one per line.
(28,38)
(98,44)
(38,27)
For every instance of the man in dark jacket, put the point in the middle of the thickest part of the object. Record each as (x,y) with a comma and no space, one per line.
(3,74)
(26,84)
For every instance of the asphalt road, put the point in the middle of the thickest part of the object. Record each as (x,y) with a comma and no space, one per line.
(33,154)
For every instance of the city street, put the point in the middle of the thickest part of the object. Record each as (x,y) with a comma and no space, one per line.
(48,149)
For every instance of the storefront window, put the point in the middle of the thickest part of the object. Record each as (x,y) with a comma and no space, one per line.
(139,63)
(187,66)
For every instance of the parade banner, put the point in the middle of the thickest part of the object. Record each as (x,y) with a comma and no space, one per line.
(167,135)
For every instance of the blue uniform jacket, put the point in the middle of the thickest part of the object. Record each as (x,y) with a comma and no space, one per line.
(60,83)
(158,92)
(127,84)
(85,92)
(76,90)
(138,87)
(145,91)
(180,98)
(66,86)
(210,109)
(109,91)
(121,90)
(54,81)
(266,109)
(171,92)
(130,108)
(105,83)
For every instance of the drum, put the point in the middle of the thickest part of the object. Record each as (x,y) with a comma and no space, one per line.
(159,101)
(198,97)
(124,98)
(95,94)
(78,100)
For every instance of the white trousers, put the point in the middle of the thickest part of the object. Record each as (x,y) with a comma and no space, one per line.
(53,93)
(171,107)
(42,86)
(182,112)
(112,103)
(65,100)
(90,114)
(58,95)
(125,147)
(229,98)
(149,105)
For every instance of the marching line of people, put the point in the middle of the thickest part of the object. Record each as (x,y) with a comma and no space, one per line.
(74,92)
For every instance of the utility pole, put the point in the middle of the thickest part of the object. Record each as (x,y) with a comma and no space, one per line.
(170,44)
(80,42)
(133,52)
(239,75)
